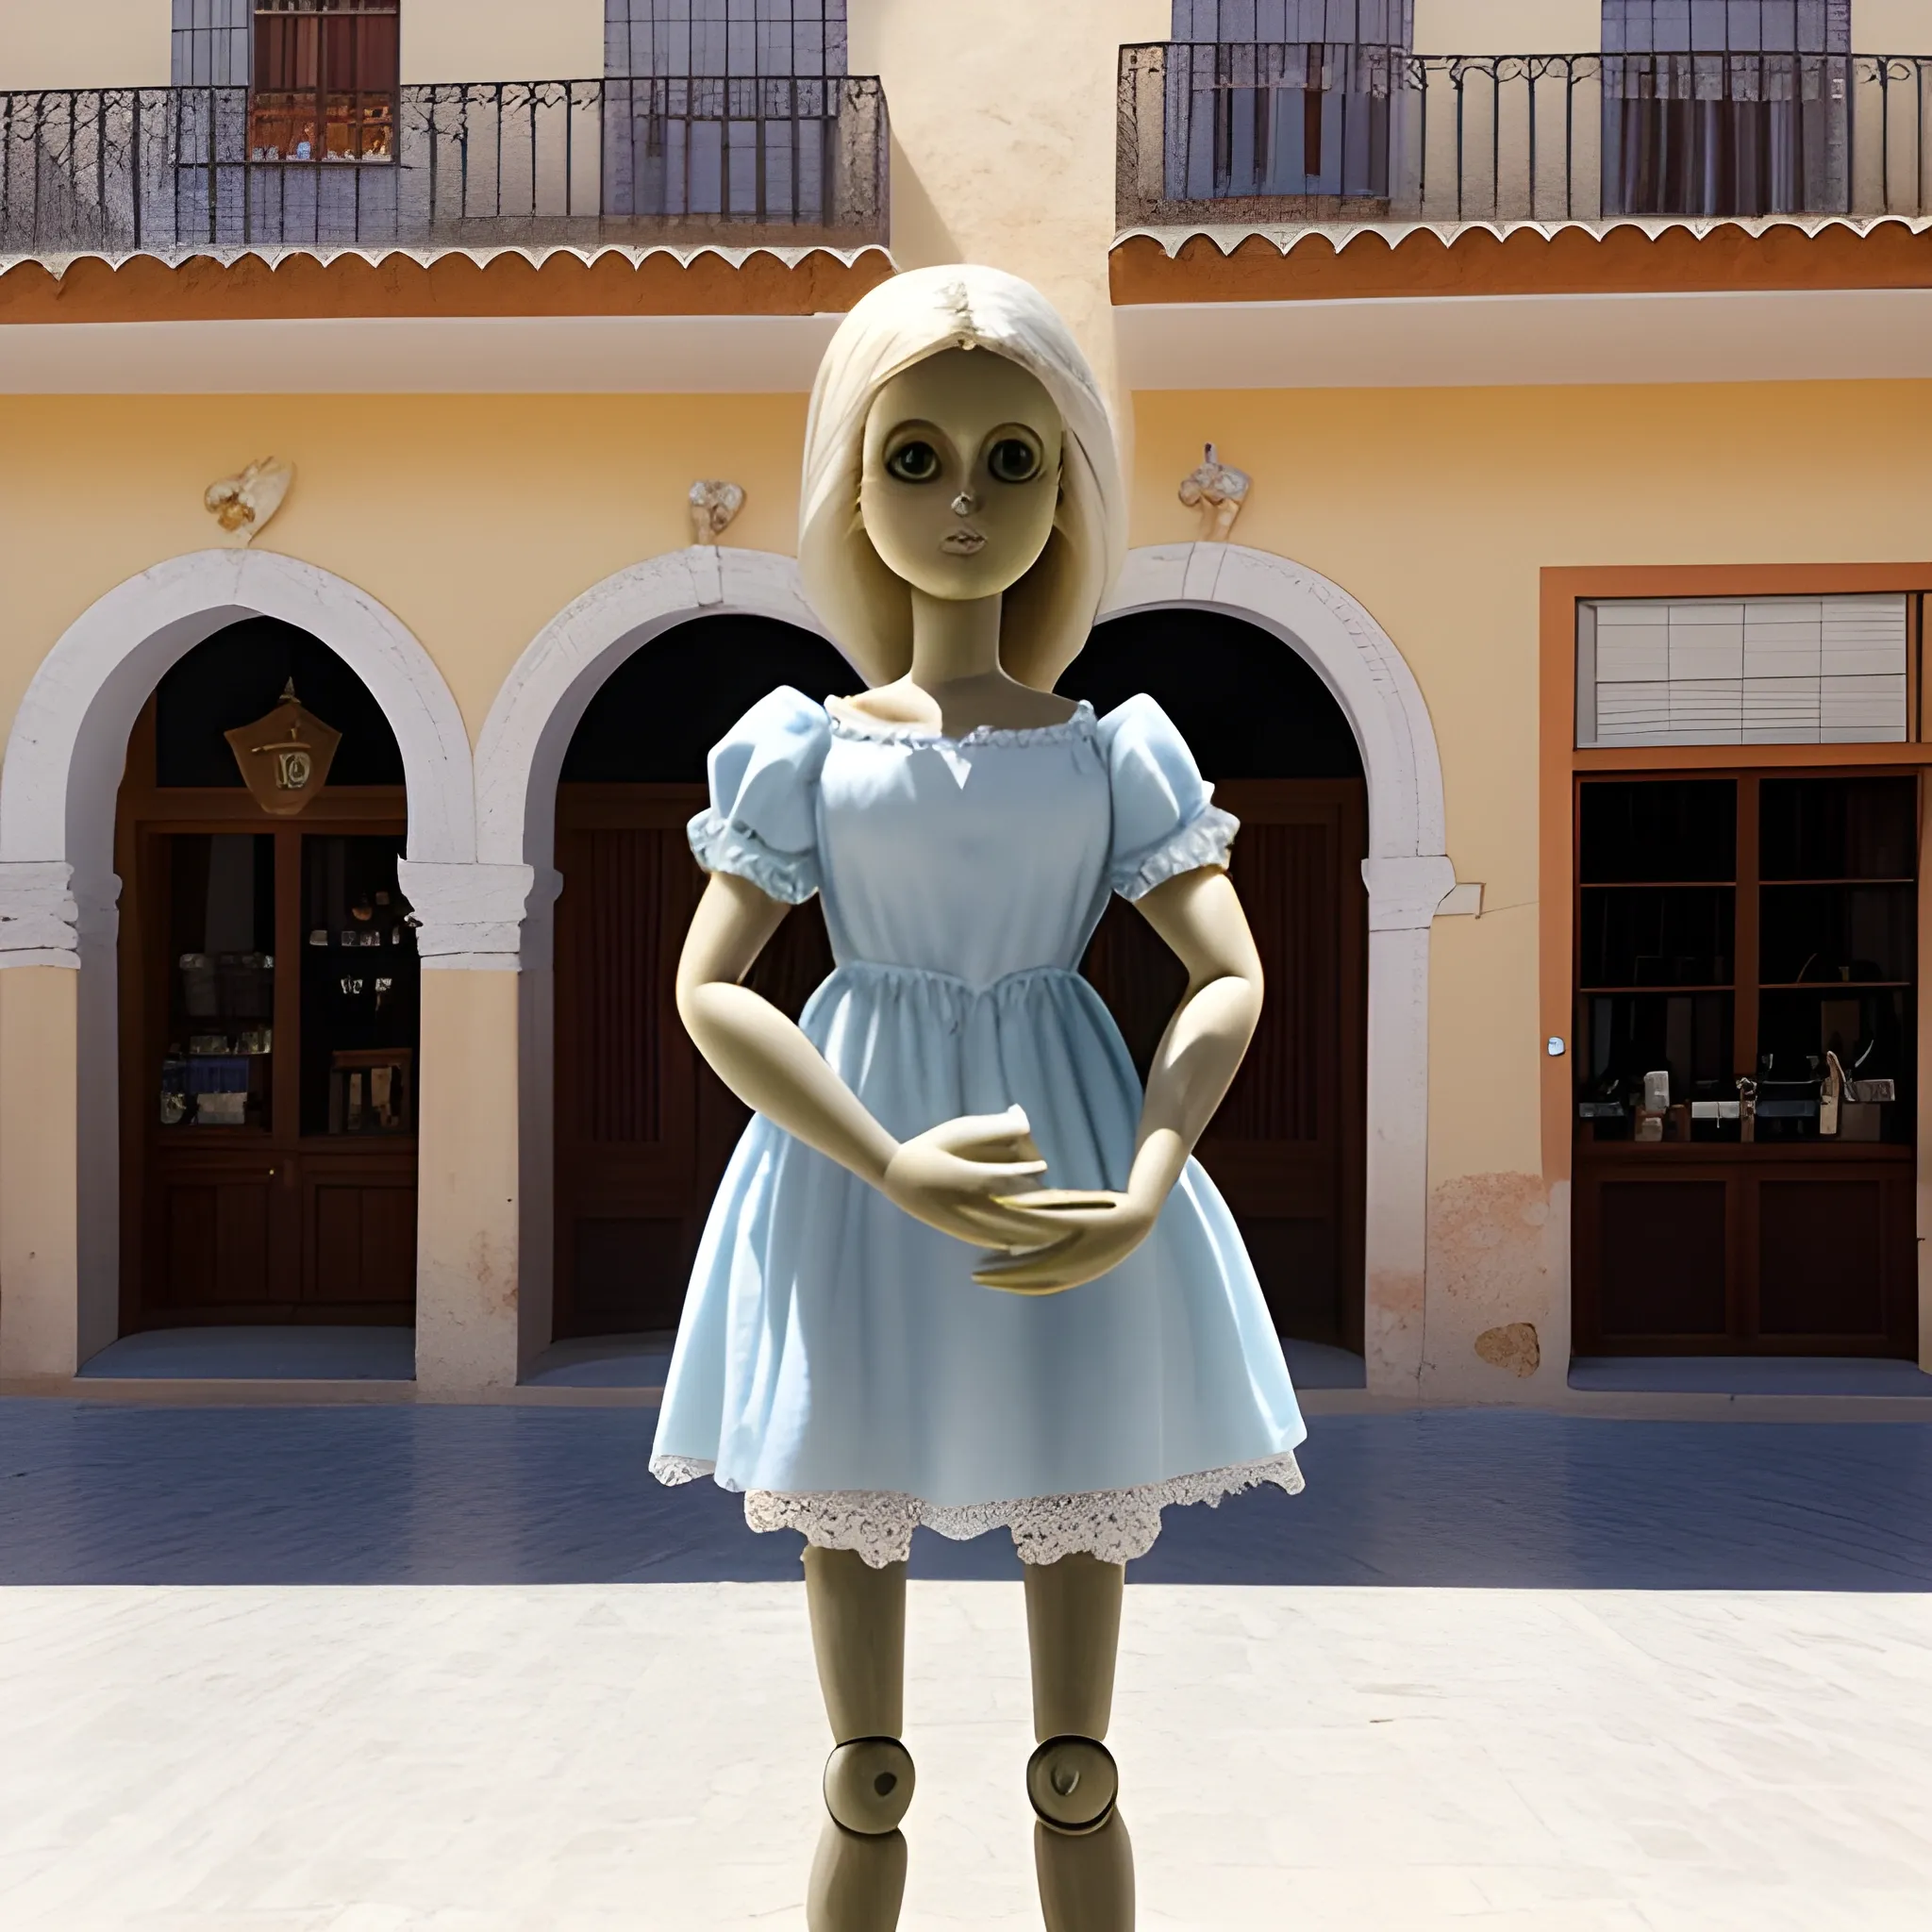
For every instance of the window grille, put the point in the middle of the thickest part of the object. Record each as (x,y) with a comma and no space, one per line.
(210,42)
(663,39)
(1742,671)
(1725,106)
(1721,26)
(1360,23)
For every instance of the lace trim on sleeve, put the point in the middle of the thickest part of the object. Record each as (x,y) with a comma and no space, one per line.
(1204,841)
(718,844)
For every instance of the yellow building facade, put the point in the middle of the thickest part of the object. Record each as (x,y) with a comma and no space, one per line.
(1481,373)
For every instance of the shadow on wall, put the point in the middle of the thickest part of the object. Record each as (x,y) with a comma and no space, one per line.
(1481,1499)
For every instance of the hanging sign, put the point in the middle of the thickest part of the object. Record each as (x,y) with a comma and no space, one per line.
(284,756)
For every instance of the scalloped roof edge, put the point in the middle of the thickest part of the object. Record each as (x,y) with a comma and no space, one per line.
(57,262)
(1287,238)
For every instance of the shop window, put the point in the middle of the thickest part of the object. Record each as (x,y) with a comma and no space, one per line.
(1744,671)
(323,80)
(1744,1054)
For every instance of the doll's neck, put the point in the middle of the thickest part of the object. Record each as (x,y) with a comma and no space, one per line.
(953,641)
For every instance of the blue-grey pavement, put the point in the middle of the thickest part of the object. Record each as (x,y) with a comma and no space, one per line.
(95,1493)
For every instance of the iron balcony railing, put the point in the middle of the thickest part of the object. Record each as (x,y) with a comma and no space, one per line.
(1292,134)
(470,165)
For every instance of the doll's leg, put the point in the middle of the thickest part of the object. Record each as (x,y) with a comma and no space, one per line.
(1080,1845)
(858,1633)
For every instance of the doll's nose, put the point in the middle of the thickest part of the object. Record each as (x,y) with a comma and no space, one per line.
(965,504)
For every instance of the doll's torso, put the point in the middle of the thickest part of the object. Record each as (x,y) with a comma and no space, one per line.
(975,857)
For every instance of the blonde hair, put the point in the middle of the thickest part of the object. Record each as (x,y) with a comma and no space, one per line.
(1046,616)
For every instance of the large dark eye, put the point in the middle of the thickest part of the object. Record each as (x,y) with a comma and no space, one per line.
(913,463)
(1013,459)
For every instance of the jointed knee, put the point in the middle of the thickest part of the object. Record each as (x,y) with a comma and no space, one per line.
(869,1785)
(1073,1782)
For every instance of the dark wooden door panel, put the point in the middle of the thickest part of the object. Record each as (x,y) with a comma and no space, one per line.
(363,1251)
(1663,1259)
(1286,1148)
(216,1245)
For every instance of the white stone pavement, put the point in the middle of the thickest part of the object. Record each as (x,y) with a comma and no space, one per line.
(572,1759)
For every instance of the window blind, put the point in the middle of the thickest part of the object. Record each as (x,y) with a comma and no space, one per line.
(1733,671)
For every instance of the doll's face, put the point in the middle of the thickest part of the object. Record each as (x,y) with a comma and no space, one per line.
(961,474)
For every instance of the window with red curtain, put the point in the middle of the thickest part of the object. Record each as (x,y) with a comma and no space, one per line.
(325,80)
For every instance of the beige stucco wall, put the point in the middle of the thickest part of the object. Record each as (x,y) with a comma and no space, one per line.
(1891,27)
(502,39)
(1003,136)
(84,43)
(1439,510)
(1509,26)
(474,519)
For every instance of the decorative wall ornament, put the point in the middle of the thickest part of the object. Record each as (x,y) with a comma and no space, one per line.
(713,507)
(242,505)
(1217,490)
(284,756)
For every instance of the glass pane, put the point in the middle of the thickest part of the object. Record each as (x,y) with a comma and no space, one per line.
(1847,934)
(1839,828)
(1870,1031)
(1673,829)
(360,989)
(1657,936)
(219,1049)
(1621,1037)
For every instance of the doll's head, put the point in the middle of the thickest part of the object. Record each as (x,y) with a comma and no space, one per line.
(957,444)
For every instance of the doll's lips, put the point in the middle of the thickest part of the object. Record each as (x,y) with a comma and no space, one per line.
(962,543)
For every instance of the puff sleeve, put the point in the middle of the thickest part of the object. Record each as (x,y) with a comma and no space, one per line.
(1165,820)
(762,820)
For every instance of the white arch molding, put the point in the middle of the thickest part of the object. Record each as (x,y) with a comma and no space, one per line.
(1407,872)
(62,770)
(519,759)
(523,745)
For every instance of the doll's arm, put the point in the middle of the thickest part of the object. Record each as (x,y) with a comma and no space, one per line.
(1201,920)
(946,1177)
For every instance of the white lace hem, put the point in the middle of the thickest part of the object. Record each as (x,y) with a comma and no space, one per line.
(719,845)
(1115,1525)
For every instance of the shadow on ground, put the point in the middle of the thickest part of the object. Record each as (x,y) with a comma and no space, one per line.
(100,1494)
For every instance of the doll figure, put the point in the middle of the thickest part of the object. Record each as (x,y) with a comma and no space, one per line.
(960,1271)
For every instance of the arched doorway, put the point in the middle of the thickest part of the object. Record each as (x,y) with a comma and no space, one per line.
(1288,1147)
(269,995)
(643,1127)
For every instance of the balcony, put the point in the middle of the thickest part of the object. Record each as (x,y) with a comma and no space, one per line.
(170,171)
(1285,136)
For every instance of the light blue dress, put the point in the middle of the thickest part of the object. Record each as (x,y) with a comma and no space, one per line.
(836,1361)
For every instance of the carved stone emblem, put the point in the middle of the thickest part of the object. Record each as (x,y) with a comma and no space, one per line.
(713,507)
(284,756)
(1218,490)
(242,505)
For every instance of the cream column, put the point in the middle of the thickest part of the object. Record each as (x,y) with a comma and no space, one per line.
(1404,894)
(41,1337)
(469,1208)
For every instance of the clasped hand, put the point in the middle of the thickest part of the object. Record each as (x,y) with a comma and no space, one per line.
(968,1177)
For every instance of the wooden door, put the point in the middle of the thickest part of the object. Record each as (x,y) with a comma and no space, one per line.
(269,1149)
(644,1127)
(1288,1146)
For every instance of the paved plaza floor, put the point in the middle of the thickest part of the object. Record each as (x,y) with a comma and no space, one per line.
(378,1670)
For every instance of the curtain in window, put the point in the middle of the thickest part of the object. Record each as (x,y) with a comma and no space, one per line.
(722,109)
(1725,106)
(1283,97)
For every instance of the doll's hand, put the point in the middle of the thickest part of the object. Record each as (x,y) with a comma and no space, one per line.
(1093,1240)
(948,1176)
